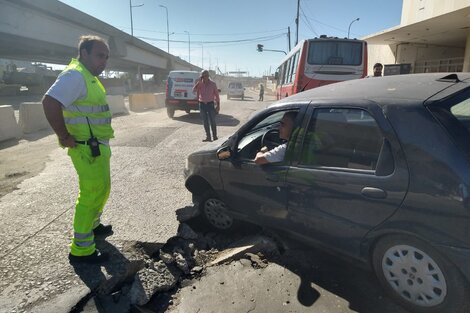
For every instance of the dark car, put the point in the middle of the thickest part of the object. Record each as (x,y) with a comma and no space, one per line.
(376,169)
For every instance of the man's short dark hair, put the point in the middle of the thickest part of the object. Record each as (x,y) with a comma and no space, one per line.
(87,41)
(378,65)
(291,115)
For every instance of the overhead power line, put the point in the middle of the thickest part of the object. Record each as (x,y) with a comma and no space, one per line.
(220,41)
(201,34)
(308,21)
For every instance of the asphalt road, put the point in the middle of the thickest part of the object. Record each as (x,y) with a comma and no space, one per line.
(149,154)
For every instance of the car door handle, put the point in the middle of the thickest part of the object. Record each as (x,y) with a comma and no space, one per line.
(374,193)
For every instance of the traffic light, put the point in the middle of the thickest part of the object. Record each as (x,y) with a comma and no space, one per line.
(260,48)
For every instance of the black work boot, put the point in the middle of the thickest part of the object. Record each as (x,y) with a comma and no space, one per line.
(95,258)
(103,230)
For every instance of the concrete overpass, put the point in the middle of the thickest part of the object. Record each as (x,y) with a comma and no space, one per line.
(48,31)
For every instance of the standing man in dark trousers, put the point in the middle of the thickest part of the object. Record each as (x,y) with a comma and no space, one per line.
(208,96)
(77,111)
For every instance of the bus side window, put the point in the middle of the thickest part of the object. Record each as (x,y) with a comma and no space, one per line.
(294,66)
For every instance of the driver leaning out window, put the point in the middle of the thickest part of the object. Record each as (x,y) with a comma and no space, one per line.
(277,154)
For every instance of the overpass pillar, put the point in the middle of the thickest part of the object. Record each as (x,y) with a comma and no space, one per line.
(466,59)
(141,78)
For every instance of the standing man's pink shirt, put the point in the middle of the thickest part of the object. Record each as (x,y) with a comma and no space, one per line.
(207,91)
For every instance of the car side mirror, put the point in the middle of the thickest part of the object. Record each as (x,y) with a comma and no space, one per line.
(224,153)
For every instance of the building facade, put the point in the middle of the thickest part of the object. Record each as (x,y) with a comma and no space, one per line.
(433,36)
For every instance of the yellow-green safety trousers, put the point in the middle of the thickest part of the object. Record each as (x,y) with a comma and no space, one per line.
(95,184)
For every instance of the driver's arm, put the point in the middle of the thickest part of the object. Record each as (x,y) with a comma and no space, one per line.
(260,159)
(271,156)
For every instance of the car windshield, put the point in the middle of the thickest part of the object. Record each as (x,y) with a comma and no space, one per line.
(335,53)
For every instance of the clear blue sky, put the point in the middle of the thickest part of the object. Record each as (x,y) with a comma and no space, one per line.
(215,26)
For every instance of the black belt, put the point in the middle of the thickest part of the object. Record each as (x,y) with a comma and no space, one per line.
(81,142)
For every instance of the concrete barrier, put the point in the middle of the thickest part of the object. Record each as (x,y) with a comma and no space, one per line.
(116,104)
(160,99)
(32,117)
(9,129)
(141,101)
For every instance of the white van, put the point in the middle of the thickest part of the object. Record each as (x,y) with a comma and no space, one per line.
(179,92)
(235,90)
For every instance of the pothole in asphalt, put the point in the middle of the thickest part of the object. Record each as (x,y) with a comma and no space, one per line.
(150,281)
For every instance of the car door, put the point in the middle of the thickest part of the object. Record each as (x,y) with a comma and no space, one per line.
(349,176)
(256,192)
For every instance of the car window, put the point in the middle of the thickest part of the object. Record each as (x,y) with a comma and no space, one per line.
(250,142)
(455,117)
(345,138)
(461,111)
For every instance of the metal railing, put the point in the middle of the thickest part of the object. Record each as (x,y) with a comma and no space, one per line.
(439,65)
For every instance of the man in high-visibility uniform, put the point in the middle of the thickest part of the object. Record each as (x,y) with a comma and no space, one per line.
(77,111)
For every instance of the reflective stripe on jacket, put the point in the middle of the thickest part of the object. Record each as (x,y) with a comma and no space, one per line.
(94,108)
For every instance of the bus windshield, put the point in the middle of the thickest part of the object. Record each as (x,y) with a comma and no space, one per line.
(334,53)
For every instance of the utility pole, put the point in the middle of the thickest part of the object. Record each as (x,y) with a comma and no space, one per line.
(349,28)
(288,36)
(297,23)
(189,46)
(167,28)
(130,10)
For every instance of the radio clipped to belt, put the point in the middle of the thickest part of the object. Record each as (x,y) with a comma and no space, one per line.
(93,143)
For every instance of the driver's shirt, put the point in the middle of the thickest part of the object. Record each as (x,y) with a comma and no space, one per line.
(276,154)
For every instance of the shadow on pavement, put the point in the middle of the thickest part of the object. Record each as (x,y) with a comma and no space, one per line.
(117,267)
(220,119)
(317,270)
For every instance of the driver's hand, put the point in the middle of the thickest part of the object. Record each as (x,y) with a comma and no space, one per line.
(264,149)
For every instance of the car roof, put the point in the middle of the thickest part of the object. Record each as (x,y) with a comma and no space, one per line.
(389,89)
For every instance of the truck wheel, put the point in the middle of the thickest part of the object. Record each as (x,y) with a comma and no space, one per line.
(170,112)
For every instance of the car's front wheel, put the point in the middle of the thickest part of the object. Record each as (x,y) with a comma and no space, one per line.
(418,277)
(215,212)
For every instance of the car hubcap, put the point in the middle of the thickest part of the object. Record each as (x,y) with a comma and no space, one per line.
(414,275)
(215,211)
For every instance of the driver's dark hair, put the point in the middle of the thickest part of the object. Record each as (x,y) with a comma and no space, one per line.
(291,115)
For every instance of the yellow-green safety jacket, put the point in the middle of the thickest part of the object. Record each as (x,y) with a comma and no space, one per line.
(94,106)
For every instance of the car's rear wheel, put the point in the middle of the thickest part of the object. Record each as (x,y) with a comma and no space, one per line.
(188,111)
(418,277)
(215,212)
(170,112)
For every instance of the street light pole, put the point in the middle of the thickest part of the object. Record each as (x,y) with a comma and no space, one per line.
(189,46)
(349,28)
(167,28)
(130,9)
